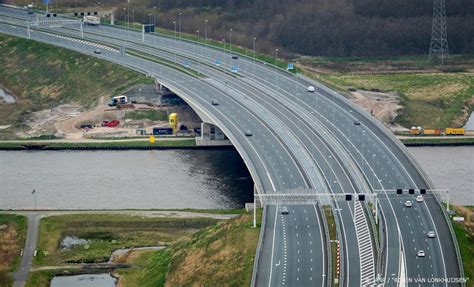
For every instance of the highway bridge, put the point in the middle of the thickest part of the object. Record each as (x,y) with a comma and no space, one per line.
(306,152)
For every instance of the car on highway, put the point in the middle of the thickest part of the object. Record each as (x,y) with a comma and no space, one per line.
(215,103)
(235,57)
(408,203)
(311,89)
(284,210)
(431,234)
(419,198)
(97,51)
(357,123)
(248,133)
(421,253)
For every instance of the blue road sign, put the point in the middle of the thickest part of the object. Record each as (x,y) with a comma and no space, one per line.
(234,69)
(290,66)
(47,1)
(186,64)
(218,62)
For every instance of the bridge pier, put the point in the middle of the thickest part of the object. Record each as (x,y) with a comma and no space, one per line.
(212,135)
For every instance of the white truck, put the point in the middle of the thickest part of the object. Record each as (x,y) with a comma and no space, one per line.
(92,20)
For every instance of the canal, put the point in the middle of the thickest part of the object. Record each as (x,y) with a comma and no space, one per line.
(171,178)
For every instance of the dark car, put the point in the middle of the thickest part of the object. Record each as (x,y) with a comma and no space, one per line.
(235,57)
(357,123)
(97,51)
(215,103)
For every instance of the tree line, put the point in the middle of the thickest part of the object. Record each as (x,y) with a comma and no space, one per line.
(312,27)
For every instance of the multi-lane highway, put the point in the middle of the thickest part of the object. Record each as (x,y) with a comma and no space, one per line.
(301,141)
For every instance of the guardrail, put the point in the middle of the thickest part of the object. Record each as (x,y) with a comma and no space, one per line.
(328,245)
(409,156)
(256,259)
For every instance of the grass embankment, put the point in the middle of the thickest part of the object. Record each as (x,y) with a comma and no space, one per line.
(438,141)
(465,235)
(332,236)
(111,144)
(42,76)
(12,239)
(433,96)
(107,232)
(220,255)
(147,115)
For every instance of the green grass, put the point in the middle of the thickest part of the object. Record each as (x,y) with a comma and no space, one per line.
(332,236)
(42,76)
(19,224)
(12,240)
(107,232)
(438,141)
(432,99)
(148,115)
(220,255)
(466,245)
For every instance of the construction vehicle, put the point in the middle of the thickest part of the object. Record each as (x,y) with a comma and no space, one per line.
(92,20)
(118,100)
(454,131)
(437,132)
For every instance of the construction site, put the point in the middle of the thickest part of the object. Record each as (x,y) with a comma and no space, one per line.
(141,111)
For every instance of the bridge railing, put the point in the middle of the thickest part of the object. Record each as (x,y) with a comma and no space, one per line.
(409,156)
(258,250)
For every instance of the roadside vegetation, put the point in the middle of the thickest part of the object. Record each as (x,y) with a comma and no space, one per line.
(105,233)
(220,255)
(465,235)
(413,141)
(151,115)
(12,239)
(41,76)
(332,236)
(111,144)
(432,96)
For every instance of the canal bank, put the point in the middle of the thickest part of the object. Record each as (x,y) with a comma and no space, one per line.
(143,143)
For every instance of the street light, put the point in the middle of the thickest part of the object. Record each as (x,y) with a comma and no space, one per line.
(230,42)
(179,20)
(276,66)
(198,33)
(373,170)
(174,22)
(205,35)
(254,65)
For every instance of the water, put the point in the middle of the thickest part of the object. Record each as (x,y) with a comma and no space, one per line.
(9,99)
(172,179)
(449,168)
(69,242)
(124,179)
(86,280)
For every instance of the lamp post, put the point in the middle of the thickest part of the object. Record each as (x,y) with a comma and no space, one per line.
(198,33)
(373,171)
(254,65)
(205,35)
(276,66)
(230,42)
(174,22)
(34,194)
(179,23)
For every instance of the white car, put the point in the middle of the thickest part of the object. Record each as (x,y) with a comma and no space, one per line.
(421,253)
(431,234)
(284,210)
(419,198)
(408,203)
(311,89)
